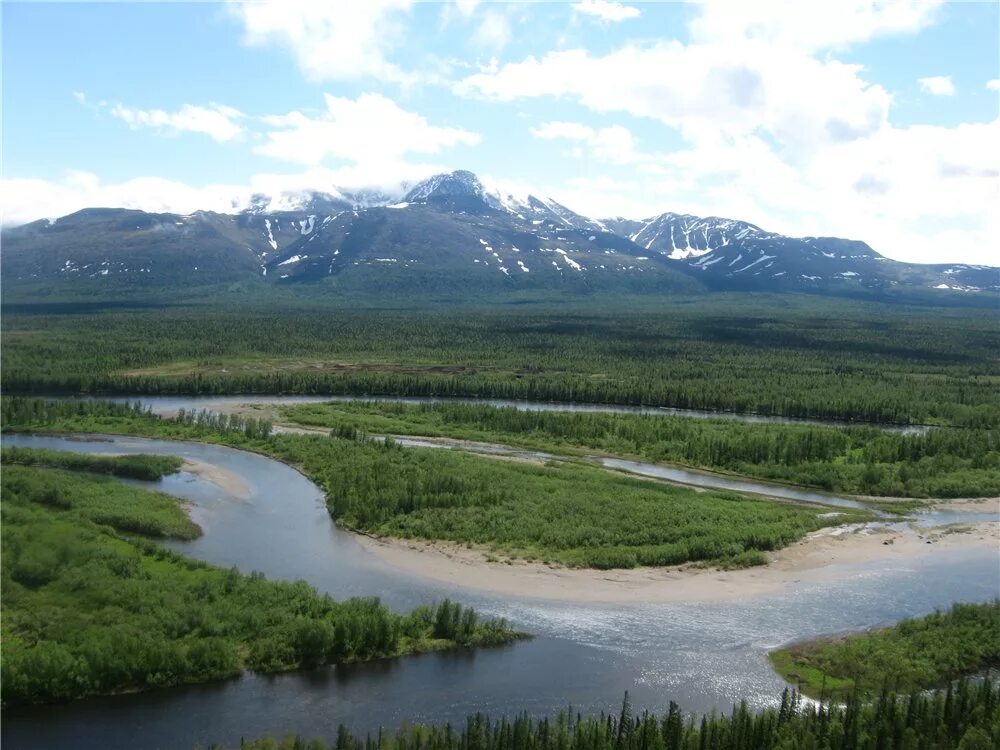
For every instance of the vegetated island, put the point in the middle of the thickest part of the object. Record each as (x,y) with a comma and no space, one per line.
(860,460)
(571,515)
(915,654)
(92,605)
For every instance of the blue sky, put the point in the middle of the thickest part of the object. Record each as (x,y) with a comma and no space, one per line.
(875,121)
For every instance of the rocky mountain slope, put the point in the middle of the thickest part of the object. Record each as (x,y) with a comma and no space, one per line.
(450,232)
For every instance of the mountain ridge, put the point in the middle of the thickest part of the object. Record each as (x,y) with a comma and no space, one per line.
(452,230)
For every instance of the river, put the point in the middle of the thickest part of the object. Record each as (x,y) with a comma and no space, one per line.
(704,655)
(170,404)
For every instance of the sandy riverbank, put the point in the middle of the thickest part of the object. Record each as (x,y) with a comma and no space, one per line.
(821,556)
(226,480)
(970,504)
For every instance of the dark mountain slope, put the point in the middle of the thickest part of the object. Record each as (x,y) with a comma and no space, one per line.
(451,233)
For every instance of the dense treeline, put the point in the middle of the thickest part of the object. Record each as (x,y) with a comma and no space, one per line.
(923,652)
(27,413)
(89,609)
(820,359)
(965,717)
(944,462)
(572,514)
(203,419)
(138,466)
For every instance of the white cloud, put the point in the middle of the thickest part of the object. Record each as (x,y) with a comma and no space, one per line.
(29,199)
(330,40)
(606,10)
(614,144)
(25,200)
(493,31)
(736,88)
(993,85)
(776,130)
(810,25)
(922,193)
(371,129)
(215,120)
(937,85)
(371,136)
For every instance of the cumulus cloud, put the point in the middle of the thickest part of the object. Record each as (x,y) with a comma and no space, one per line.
(369,129)
(330,40)
(606,10)
(920,193)
(737,89)
(371,137)
(810,26)
(937,85)
(776,129)
(217,121)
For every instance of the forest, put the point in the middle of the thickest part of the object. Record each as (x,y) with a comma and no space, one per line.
(966,716)
(567,513)
(800,357)
(918,653)
(92,605)
(944,462)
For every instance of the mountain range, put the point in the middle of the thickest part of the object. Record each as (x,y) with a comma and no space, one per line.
(450,232)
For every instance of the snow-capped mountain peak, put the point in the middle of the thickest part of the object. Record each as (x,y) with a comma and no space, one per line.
(454,225)
(458,184)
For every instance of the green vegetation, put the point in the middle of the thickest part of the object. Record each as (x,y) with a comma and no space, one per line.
(571,514)
(90,609)
(860,460)
(790,355)
(925,652)
(966,717)
(69,415)
(138,466)
(101,500)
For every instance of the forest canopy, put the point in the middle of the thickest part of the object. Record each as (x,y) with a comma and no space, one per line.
(789,355)
(917,653)
(944,462)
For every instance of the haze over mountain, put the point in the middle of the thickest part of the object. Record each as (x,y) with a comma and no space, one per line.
(452,232)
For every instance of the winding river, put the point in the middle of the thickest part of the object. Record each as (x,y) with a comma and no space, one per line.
(704,655)
(170,404)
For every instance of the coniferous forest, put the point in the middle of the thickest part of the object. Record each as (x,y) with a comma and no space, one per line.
(942,462)
(788,355)
(966,716)
(922,652)
(123,613)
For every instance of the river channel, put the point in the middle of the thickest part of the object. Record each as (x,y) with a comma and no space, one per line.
(703,655)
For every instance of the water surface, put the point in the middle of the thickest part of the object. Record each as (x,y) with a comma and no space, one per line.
(703,655)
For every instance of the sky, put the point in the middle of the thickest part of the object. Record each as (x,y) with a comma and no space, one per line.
(877,121)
